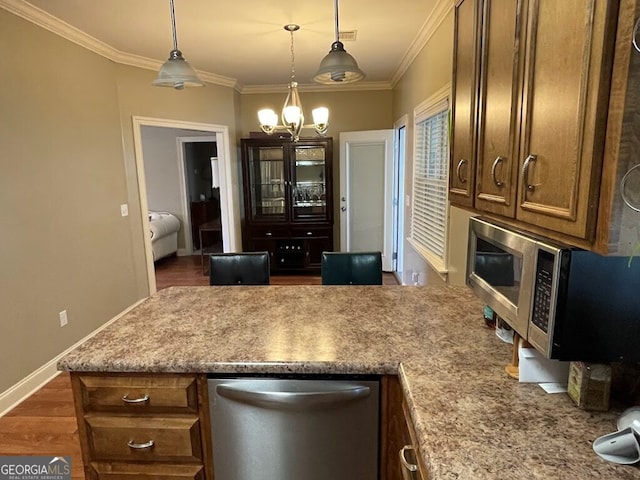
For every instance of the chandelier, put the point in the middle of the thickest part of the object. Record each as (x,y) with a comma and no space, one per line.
(176,71)
(292,114)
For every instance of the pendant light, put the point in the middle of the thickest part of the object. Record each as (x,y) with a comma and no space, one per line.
(292,114)
(176,71)
(338,66)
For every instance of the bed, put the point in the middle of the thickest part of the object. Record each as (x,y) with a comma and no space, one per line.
(164,228)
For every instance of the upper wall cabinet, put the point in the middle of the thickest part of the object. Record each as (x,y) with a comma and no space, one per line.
(465,74)
(564,104)
(537,137)
(499,104)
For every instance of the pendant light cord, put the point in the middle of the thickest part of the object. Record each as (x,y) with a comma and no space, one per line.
(173,25)
(337,29)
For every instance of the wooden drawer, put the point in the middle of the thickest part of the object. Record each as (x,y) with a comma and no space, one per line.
(170,439)
(310,232)
(144,394)
(125,471)
(269,232)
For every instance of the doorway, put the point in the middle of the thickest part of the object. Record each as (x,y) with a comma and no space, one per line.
(366,193)
(198,162)
(399,156)
(228,220)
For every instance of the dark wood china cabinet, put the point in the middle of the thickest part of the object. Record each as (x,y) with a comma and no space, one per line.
(288,207)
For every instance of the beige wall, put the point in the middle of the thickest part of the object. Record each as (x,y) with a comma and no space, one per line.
(68,163)
(64,243)
(430,71)
(211,104)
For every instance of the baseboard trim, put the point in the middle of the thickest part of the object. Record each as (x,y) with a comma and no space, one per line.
(26,387)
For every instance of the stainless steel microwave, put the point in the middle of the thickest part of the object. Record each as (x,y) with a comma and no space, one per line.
(570,304)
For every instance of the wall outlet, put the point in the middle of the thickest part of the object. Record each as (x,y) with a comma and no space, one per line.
(124,209)
(415,278)
(63,318)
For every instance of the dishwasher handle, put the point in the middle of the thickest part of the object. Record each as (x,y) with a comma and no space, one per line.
(293,400)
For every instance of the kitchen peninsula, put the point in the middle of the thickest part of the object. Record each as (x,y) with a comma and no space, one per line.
(471,420)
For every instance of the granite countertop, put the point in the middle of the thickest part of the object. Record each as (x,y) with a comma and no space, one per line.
(472,420)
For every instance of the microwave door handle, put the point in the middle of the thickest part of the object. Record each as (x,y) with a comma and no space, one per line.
(292,400)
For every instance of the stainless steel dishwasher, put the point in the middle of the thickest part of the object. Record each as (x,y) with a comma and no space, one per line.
(294,429)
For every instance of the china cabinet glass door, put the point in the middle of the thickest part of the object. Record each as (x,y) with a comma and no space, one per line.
(309,183)
(267,183)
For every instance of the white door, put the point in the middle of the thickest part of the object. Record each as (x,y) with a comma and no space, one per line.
(366,193)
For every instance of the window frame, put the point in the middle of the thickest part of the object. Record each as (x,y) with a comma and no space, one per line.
(436,104)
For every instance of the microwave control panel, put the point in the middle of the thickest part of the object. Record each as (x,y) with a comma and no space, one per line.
(542,293)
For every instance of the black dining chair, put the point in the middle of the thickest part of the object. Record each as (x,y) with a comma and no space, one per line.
(351,268)
(247,268)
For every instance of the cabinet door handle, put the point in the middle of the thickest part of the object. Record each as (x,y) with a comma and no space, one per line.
(343,209)
(525,173)
(459,171)
(143,399)
(309,233)
(268,234)
(140,446)
(403,459)
(494,167)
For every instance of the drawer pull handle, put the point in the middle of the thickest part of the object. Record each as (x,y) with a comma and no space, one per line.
(403,459)
(140,446)
(144,399)
(309,233)
(268,234)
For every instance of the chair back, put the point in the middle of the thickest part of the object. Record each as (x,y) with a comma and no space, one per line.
(248,268)
(351,268)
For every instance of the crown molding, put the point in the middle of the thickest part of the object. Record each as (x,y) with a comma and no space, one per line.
(53,24)
(314,87)
(439,13)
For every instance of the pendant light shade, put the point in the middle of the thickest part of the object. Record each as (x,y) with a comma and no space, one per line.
(338,66)
(176,71)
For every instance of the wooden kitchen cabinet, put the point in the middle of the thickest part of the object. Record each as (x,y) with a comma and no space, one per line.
(288,200)
(398,434)
(464,110)
(568,55)
(499,103)
(544,85)
(133,425)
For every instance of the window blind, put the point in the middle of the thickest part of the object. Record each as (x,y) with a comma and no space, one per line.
(430,182)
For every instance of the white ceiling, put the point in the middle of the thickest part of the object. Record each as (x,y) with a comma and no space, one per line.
(243,42)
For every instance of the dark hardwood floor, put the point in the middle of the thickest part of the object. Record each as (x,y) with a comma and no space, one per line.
(174,271)
(45,424)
